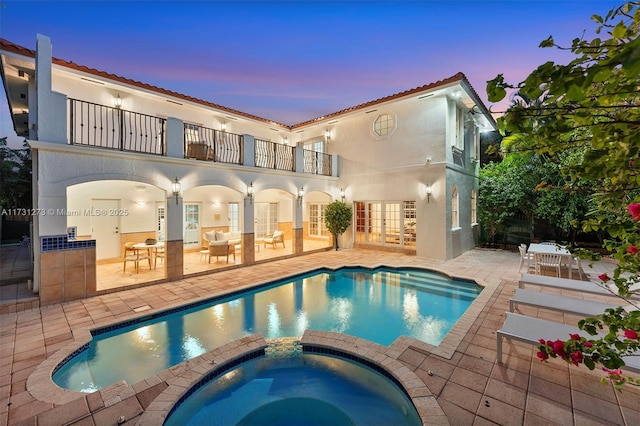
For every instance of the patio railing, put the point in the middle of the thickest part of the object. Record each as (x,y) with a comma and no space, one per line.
(273,155)
(107,127)
(203,143)
(317,163)
(96,125)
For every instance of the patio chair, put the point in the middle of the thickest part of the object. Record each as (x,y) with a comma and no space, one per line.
(221,248)
(132,254)
(160,253)
(277,237)
(526,258)
(530,330)
(574,263)
(547,260)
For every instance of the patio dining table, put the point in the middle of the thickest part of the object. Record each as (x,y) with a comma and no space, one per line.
(151,249)
(554,249)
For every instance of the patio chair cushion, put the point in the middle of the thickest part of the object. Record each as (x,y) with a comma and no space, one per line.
(210,236)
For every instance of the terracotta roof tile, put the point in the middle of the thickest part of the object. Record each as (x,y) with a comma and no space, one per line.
(12,47)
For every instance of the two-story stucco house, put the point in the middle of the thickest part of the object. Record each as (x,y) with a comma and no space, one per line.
(118,161)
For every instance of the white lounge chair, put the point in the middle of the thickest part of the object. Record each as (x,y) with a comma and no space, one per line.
(563,283)
(531,330)
(277,237)
(557,303)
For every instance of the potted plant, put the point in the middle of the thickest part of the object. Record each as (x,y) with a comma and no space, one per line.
(337,218)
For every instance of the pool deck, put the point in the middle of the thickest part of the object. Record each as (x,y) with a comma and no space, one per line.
(460,378)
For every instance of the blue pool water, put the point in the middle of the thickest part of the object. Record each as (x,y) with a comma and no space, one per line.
(305,390)
(377,305)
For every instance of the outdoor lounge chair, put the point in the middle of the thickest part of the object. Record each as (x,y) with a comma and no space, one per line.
(531,330)
(557,303)
(563,284)
(277,237)
(221,248)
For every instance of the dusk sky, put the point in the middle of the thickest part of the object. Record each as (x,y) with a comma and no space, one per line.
(297,60)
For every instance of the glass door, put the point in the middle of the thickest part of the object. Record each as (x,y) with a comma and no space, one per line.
(385,223)
(317,227)
(191,232)
(266,219)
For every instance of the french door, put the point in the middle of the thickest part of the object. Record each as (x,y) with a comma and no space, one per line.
(383,223)
(191,220)
(266,219)
(317,227)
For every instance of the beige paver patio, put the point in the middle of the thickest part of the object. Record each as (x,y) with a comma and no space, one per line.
(462,374)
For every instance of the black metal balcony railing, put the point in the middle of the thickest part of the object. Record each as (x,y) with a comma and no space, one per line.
(273,155)
(107,127)
(203,143)
(317,163)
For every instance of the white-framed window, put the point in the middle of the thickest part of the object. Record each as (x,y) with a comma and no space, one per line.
(410,216)
(234,217)
(474,218)
(455,219)
(476,142)
(160,221)
(458,142)
(384,124)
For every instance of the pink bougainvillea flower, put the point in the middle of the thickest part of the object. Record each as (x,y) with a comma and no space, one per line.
(543,356)
(574,336)
(558,348)
(616,372)
(588,344)
(634,209)
(576,358)
(632,250)
(604,277)
(542,341)
(631,334)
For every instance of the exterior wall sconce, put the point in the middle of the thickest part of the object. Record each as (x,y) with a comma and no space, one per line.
(176,186)
(250,190)
(223,126)
(117,101)
(342,194)
(327,134)
(300,194)
(428,190)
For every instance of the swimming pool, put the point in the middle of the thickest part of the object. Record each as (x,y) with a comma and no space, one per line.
(375,304)
(307,389)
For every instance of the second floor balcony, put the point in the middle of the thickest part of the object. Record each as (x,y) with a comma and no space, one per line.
(100,126)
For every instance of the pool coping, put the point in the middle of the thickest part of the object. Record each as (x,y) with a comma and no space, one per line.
(344,345)
(41,386)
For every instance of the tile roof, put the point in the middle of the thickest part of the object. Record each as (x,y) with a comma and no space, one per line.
(8,46)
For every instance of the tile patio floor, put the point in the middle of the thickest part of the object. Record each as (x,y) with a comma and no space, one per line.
(470,387)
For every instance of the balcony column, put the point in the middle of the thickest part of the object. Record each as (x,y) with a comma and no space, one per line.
(175,138)
(249,151)
(174,244)
(298,238)
(248,232)
(299,159)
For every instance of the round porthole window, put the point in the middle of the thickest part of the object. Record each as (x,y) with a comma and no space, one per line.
(384,125)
